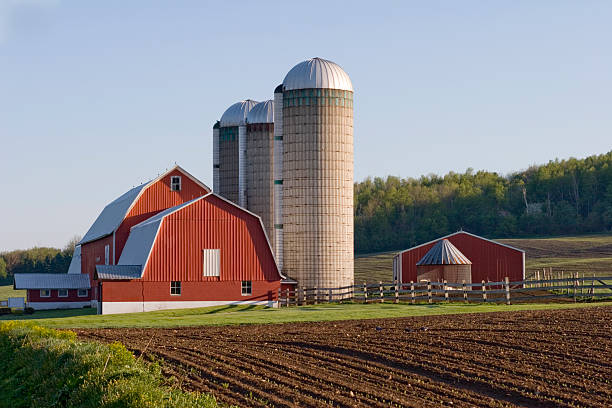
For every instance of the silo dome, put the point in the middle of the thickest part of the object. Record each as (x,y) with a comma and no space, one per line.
(263,112)
(317,73)
(236,114)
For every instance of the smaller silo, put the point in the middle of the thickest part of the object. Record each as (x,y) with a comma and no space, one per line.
(444,262)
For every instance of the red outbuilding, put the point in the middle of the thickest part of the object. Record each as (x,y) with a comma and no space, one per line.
(491,260)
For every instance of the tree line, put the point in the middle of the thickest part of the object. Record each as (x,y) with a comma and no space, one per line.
(36,260)
(571,196)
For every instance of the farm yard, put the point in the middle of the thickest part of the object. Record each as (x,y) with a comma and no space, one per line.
(545,358)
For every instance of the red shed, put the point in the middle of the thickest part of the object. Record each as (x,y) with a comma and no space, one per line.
(491,261)
(206,252)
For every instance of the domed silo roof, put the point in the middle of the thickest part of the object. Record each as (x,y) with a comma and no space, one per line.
(236,114)
(263,112)
(317,73)
(444,253)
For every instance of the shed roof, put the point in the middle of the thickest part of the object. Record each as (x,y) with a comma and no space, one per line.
(51,281)
(461,232)
(118,272)
(444,253)
(113,214)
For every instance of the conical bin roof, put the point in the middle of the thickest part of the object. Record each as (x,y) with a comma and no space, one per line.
(444,253)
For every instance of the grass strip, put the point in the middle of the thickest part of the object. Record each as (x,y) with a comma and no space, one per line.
(42,367)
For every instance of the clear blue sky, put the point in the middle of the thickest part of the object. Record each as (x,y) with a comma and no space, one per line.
(96,97)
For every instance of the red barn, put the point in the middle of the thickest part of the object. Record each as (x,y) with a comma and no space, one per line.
(205,252)
(491,261)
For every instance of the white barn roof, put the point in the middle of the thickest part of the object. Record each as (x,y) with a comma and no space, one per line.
(114,213)
(75,263)
(317,73)
(51,281)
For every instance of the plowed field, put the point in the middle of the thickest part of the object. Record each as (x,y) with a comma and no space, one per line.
(530,359)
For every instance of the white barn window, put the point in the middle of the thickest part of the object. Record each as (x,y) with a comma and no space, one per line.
(175,288)
(211,261)
(247,288)
(175,183)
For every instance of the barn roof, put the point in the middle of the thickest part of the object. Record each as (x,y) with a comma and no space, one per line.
(51,281)
(75,262)
(444,253)
(461,232)
(113,214)
(142,236)
(118,272)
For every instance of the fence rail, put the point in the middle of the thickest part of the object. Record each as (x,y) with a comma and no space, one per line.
(506,291)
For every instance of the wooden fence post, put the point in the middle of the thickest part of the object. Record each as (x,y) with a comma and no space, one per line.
(464,288)
(429,300)
(382,295)
(397,291)
(365,292)
(507,290)
(412,294)
(445,290)
(484,292)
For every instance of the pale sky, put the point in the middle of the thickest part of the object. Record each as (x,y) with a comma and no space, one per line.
(99,96)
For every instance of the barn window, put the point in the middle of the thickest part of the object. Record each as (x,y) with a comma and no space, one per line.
(82,293)
(175,183)
(211,260)
(247,288)
(45,293)
(62,293)
(175,288)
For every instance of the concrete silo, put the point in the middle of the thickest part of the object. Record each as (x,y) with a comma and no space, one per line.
(229,149)
(260,164)
(314,132)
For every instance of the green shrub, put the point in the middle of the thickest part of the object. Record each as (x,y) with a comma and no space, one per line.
(42,367)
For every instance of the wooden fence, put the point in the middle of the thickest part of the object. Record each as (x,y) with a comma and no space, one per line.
(506,291)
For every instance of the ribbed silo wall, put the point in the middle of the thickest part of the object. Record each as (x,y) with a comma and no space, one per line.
(228,163)
(259,174)
(318,187)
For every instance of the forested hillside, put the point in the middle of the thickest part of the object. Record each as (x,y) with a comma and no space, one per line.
(562,197)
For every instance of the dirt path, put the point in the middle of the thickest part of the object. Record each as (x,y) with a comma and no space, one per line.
(526,359)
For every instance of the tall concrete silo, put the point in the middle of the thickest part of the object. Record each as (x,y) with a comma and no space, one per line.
(317,173)
(229,148)
(260,164)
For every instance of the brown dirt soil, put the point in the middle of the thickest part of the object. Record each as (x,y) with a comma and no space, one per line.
(560,358)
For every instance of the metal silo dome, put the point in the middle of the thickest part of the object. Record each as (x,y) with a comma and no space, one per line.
(236,114)
(317,73)
(263,112)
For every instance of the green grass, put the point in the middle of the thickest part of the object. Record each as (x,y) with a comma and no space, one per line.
(55,369)
(6,291)
(226,315)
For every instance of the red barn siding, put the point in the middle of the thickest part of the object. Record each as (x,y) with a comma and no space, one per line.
(211,223)
(155,198)
(138,291)
(490,261)
(73,296)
